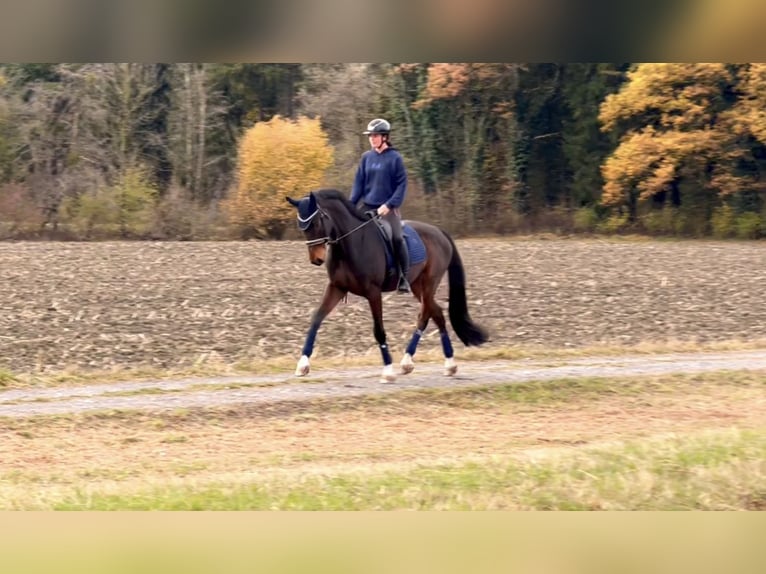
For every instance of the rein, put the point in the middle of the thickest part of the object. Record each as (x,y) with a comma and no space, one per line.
(326,239)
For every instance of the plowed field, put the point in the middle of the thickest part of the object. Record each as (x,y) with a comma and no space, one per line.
(124,304)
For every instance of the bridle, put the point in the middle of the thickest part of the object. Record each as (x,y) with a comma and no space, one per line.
(327,240)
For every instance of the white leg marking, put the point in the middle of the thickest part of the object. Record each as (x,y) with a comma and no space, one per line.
(450,367)
(303,367)
(407,365)
(388,375)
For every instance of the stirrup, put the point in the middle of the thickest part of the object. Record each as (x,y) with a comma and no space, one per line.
(403,286)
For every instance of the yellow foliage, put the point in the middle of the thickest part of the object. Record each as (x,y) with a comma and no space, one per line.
(445,81)
(674,95)
(452,80)
(680,125)
(277,158)
(648,161)
(750,114)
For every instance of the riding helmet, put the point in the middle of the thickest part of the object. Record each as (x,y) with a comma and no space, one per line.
(377,126)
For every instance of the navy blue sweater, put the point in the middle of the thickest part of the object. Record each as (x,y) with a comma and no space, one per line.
(380,178)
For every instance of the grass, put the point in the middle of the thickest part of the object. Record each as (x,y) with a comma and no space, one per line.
(649,442)
(724,470)
(7,378)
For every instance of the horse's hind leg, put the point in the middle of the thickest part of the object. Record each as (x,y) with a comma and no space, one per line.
(376,306)
(450,368)
(407,365)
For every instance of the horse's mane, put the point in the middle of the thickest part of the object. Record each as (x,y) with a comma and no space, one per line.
(336,195)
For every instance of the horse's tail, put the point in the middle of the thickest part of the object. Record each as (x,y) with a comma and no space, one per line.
(466,330)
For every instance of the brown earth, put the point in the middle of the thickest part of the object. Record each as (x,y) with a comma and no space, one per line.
(170,305)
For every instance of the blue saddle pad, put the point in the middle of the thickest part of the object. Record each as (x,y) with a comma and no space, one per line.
(415,247)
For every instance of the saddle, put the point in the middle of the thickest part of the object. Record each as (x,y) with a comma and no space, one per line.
(413,246)
(384,227)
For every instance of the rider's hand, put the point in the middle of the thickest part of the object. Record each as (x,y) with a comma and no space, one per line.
(383,209)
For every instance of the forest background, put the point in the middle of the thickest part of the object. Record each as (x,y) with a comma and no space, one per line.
(192,151)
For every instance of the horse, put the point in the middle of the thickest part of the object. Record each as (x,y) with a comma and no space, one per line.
(357,259)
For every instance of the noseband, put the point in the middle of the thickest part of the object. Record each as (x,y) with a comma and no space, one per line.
(327,240)
(305,223)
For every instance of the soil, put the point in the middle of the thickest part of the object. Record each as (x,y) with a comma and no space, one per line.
(101,306)
(80,306)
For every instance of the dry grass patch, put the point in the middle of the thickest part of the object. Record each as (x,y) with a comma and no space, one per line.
(711,470)
(58,458)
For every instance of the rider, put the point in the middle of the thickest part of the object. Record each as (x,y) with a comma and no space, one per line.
(381,183)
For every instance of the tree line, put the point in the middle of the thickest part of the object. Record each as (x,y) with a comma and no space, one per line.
(200,151)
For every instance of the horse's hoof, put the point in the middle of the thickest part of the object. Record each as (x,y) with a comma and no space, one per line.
(303,367)
(450,367)
(407,365)
(388,375)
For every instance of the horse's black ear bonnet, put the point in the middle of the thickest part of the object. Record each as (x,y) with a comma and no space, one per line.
(307,210)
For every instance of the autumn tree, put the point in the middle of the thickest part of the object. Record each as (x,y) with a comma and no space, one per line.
(277,158)
(744,181)
(692,136)
(669,116)
(752,105)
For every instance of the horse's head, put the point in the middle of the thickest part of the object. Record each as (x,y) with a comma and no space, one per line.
(315,225)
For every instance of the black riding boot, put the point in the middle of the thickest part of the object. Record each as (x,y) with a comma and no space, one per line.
(402,263)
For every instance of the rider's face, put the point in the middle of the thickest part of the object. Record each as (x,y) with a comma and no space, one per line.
(376,140)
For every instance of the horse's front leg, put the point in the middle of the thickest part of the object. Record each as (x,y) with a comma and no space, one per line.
(376,306)
(332,296)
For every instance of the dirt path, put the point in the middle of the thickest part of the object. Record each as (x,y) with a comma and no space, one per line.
(271,389)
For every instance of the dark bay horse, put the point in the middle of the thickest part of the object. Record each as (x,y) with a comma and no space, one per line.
(353,248)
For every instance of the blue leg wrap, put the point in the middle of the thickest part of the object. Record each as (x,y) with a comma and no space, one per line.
(446,345)
(385,354)
(308,346)
(413,346)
